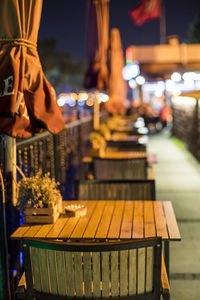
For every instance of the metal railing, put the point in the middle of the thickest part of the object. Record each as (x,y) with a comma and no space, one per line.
(60,154)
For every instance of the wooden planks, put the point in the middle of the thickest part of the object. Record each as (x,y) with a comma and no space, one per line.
(127,221)
(160,221)
(105,221)
(109,220)
(123,155)
(172,226)
(149,224)
(114,230)
(138,221)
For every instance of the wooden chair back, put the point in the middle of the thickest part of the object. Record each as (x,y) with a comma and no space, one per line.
(120,168)
(115,189)
(58,270)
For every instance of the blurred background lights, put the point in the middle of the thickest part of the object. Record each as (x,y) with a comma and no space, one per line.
(82,96)
(139,123)
(103,97)
(81,102)
(61,101)
(132,83)
(140,80)
(189,83)
(176,76)
(170,85)
(72,102)
(131,71)
(158,93)
(89,102)
(74,96)
(160,85)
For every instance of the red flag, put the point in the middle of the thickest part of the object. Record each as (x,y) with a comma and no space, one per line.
(146,11)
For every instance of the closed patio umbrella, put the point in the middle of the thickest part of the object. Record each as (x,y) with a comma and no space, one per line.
(27,100)
(117,85)
(98,28)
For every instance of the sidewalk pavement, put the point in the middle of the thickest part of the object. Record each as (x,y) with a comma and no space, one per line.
(177,175)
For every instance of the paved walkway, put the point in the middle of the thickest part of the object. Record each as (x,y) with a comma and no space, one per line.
(177,176)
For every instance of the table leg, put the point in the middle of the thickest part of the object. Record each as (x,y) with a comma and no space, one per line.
(166,253)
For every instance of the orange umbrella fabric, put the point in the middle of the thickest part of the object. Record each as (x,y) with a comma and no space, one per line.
(117,85)
(27,100)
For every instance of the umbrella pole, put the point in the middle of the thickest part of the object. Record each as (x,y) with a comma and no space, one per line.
(96,122)
(10,167)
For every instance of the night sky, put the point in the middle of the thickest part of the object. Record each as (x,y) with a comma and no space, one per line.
(66,20)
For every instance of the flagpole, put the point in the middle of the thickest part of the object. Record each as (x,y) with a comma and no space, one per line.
(163,23)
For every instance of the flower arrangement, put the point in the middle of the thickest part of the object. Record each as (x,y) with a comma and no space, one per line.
(38,191)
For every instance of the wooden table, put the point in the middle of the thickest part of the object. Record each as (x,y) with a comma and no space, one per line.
(122,155)
(111,220)
(121,137)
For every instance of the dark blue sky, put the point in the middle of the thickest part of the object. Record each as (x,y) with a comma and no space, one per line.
(66,20)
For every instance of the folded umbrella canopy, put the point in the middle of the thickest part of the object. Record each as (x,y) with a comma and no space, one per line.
(27,100)
(98,28)
(117,89)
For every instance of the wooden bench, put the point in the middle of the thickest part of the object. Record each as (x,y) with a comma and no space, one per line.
(138,189)
(58,270)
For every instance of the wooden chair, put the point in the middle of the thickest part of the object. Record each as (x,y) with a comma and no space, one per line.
(138,189)
(58,270)
(105,168)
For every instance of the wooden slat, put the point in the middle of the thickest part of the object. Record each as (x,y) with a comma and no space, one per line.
(57,228)
(132,272)
(123,155)
(141,271)
(123,273)
(96,274)
(32,231)
(172,225)
(43,231)
(114,231)
(52,272)
(150,172)
(44,271)
(78,274)
(105,274)
(138,220)
(149,224)
(127,221)
(36,268)
(94,221)
(149,269)
(83,222)
(61,273)
(114,274)
(69,274)
(19,233)
(161,228)
(87,274)
(102,230)
(68,228)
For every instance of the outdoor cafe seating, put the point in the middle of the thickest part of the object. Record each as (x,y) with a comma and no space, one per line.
(119,208)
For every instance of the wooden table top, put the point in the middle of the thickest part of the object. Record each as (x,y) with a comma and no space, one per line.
(117,137)
(109,220)
(122,155)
